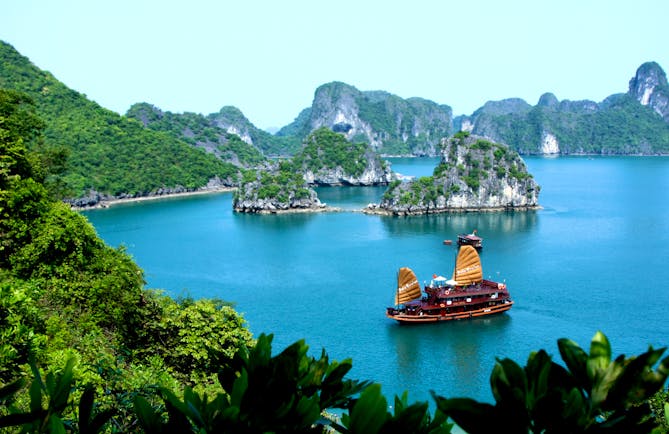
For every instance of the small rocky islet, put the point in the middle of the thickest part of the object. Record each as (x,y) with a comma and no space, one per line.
(474,174)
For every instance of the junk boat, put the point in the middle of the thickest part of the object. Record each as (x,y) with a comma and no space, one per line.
(466,295)
(470,240)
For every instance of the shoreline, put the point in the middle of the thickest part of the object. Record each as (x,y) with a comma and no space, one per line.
(106,203)
(386,212)
(103,204)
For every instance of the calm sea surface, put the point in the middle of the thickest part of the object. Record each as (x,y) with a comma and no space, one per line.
(596,257)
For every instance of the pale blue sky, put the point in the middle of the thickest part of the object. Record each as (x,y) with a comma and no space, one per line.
(268,57)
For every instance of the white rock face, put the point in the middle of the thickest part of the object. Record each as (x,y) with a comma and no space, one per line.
(467,125)
(242,135)
(549,144)
(647,93)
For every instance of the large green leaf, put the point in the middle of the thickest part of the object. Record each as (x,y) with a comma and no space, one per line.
(470,415)
(369,413)
(576,360)
(600,355)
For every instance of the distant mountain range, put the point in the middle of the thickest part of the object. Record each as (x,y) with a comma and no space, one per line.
(636,122)
(633,123)
(392,125)
(148,150)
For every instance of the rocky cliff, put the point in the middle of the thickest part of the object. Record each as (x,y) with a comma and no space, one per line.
(276,188)
(327,158)
(390,124)
(228,143)
(649,87)
(634,123)
(474,174)
(227,134)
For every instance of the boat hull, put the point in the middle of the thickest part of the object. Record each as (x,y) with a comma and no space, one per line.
(424,317)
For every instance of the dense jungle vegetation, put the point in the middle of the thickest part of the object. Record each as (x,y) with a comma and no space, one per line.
(325,149)
(85,348)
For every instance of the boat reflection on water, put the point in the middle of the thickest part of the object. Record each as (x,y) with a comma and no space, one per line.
(460,358)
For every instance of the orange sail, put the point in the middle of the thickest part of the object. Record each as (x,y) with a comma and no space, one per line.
(467,267)
(408,287)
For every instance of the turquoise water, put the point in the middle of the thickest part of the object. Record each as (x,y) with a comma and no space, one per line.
(594,258)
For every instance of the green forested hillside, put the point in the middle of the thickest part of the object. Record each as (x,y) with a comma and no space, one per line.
(64,294)
(228,134)
(618,126)
(104,151)
(198,131)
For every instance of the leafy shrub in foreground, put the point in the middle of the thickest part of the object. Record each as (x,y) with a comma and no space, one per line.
(292,393)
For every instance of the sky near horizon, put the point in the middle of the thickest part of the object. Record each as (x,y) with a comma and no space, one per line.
(268,57)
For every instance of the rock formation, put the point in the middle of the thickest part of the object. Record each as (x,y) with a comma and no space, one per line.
(634,123)
(327,158)
(390,124)
(649,87)
(275,188)
(473,175)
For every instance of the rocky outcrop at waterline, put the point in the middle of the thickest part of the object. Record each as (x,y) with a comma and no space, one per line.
(275,188)
(326,158)
(474,174)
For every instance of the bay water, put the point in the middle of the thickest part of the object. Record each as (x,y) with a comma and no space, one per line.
(595,257)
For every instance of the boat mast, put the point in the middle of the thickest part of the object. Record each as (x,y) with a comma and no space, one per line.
(397,287)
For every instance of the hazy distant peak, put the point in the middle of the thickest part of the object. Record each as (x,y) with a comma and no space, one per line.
(548,99)
(504,106)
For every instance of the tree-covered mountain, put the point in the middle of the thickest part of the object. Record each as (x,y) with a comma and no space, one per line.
(633,123)
(200,132)
(228,134)
(392,125)
(103,151)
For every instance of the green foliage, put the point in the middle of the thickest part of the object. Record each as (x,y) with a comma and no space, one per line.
(461,135)
(205,132)
(21,331)
(472,180)
(294,392)
(94,148)
(482,144)
(65,295)
(281,185)
(327,149)
(283,393)
(499,153)
(370,415)
(620,125)
(592,394)
(18,126)
(441,169)
(515,172)
(50,405)
(195,337)
(388,194)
